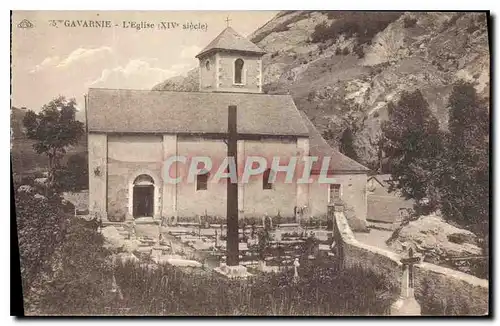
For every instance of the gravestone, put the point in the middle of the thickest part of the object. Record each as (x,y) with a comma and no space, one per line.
(407,305)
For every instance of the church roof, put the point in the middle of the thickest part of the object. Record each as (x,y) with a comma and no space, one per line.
(230,40)
(320,148)
(144,111)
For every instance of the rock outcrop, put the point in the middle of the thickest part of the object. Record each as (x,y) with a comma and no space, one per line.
(435,239)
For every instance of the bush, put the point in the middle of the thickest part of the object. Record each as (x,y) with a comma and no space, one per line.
(409,22)
(364,25)
(358,50)
(41,227)
(338,51)
(345,51)
(81,284)
(75,175)
(438,300)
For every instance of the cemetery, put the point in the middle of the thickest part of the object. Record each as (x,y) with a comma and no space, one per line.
(288,253)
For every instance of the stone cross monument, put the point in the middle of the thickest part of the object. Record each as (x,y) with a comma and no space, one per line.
(406,304)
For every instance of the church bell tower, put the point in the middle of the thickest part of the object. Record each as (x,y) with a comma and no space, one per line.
(231,63)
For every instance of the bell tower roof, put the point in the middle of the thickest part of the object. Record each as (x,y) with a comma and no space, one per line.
(230,40)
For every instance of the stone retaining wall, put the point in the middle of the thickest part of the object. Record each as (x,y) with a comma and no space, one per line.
(439,290)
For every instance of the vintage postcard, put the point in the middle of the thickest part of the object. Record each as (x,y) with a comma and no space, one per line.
(271,163)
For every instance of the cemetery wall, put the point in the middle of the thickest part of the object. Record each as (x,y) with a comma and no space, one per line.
(432,283)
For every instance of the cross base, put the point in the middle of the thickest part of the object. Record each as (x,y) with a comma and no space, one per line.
(237,271)
(406,307)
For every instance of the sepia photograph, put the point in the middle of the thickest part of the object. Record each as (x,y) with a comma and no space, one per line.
(251,163)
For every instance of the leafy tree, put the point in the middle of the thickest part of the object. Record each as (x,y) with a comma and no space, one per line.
(465,190)
(54,129)
(413,143)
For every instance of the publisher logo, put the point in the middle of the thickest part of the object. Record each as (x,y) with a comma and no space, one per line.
(25,24)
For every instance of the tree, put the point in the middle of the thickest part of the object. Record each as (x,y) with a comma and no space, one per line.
(465,190)
(413,143)
(348,120)
(347,144)
(74,176)
(54,129)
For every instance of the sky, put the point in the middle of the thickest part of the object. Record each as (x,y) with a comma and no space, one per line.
(48,60)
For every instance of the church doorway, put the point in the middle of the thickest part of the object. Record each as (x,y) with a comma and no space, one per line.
(143,196)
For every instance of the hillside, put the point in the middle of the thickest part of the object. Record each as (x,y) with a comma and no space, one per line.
(342,68)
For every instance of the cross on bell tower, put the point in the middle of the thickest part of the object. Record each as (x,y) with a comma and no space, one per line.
(227,21)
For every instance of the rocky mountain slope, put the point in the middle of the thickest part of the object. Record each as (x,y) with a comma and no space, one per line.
(343,68)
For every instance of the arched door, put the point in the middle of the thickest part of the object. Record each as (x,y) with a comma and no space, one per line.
(143,196)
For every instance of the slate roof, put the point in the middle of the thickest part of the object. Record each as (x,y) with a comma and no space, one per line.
(144,111)
(230,40)
(320,148)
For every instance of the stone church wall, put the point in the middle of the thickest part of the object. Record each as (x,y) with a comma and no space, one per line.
(282,198)
(97,152)
(207,76)
(192,202)
(129,156)
(353,194)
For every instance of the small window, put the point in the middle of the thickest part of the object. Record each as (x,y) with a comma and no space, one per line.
(334,192)
(202,181)
(238,71)
(265,180)
(207,64)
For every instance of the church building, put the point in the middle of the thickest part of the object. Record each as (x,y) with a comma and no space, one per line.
(131,133)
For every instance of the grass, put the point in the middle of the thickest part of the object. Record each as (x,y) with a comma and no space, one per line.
(322,290)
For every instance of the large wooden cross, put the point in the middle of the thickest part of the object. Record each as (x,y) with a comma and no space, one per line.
(232,252)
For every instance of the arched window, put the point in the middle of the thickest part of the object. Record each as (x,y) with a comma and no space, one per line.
(238,71)
(202,181)
(266,184)
(207,65)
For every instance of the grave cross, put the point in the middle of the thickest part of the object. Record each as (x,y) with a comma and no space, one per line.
(407,285)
